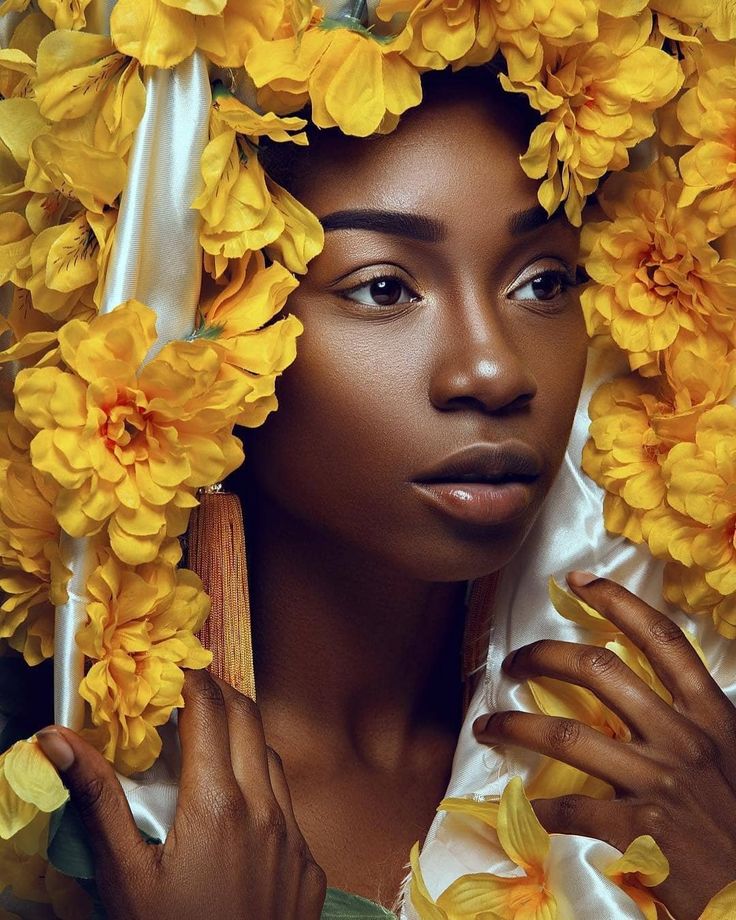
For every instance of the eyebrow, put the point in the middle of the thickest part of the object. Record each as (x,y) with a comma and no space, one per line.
(532,219)
(393,223)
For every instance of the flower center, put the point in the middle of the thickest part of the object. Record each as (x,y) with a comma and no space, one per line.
(124,422)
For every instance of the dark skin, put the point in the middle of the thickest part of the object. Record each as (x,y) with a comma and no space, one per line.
(416,344)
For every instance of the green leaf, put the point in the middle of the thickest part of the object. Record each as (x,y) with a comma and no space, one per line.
(339,905)
(354,25)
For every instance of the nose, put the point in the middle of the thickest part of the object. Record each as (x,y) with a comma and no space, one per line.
(479,365)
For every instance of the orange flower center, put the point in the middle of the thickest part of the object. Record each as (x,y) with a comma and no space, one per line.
(125,420)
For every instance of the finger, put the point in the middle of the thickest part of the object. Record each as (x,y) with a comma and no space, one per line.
(668,650)
(206,768)
(248,753)
(313,883)
(567,740)
(97,794)
(603,672)
(282,793)
(586,817)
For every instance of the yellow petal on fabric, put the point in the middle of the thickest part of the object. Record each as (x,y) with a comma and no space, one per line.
(576,610)
(721,906)
(644,859)
(494,897)
(30,344)
(33,778)
(418,893)
(522,837)
(15,814)
(487,812)
(152,32)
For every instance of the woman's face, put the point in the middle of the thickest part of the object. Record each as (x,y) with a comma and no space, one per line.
(435,384)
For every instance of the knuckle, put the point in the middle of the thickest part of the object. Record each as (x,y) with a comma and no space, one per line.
(204,690)
(664,631)
(563,733)
(654,819)
(226,805)
(698,751)
(247,707)
(90,795)
(596,662)
(272,824)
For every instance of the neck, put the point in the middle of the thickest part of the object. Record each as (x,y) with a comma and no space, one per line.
(347,649)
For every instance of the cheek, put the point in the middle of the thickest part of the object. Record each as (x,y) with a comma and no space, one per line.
(333,450)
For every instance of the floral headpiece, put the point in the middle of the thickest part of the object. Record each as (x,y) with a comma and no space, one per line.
(109,432)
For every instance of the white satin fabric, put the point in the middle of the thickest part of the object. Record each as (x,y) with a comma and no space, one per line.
(156,260)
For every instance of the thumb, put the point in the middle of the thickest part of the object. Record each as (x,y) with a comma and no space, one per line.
(96,793)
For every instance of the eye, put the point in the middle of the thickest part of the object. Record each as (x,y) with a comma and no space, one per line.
(384,291)
(546,285)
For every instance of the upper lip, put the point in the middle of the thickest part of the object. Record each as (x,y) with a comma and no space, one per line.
(508,461)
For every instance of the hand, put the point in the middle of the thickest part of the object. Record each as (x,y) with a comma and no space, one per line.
(234,851)
(675,779)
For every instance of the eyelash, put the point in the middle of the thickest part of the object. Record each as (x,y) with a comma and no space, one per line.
(569,279)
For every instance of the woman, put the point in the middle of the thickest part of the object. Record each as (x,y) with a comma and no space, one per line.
(417,436)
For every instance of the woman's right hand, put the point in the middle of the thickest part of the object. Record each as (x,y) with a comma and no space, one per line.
(235,849)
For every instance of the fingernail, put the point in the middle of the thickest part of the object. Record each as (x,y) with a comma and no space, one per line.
(480,724)
(580,579)
(56,748)
(508,662)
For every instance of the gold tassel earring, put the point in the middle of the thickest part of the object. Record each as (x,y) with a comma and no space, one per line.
(216,552)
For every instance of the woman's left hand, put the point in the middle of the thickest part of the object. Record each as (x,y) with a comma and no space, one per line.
(675,779)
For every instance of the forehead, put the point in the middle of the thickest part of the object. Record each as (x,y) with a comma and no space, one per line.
(455,158)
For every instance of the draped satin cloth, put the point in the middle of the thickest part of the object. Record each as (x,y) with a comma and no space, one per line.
(156,260)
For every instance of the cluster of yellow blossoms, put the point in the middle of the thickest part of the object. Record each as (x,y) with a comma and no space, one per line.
(104,443)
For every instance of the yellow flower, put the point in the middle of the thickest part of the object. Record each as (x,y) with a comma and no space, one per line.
(642,866)
(32,577)
(686,587)
(469,32)
(420,898)
(698,527)
(29,785)
(242,209)
(517,897)
(655,269)
(624,454)
(66,14)
(139,634)
(162,33)
(462,33)
(129,448)
(354,81)
(707,113)
(241,315)
(598,101)
(92,92)
(722,906)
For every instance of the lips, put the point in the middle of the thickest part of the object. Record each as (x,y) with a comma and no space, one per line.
(510,461)
(486,484)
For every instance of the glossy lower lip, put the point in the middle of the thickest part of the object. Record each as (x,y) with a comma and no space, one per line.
(481,503)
